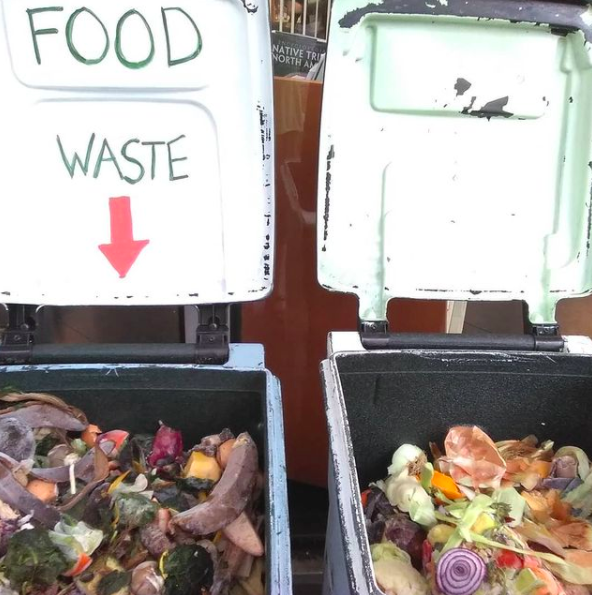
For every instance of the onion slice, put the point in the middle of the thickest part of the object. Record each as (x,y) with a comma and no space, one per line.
(460,572)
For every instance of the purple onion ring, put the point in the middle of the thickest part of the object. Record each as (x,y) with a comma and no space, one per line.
(460,572)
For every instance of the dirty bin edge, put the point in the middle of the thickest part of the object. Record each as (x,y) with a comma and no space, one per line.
(345,478)
(279,577)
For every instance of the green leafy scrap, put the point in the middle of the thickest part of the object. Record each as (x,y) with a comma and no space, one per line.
(113,582)
(32,558)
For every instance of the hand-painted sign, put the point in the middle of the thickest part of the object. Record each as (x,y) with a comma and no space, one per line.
(123,250)
(122,122)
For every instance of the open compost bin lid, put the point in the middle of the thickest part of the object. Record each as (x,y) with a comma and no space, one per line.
(455,153)
(136,152)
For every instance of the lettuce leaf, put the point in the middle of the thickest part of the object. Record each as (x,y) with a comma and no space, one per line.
(388,551)
(514,500)
(426,476)
(407,495)
(74,538)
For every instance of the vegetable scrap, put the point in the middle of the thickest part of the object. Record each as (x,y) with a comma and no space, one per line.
(87,512)
(483,518)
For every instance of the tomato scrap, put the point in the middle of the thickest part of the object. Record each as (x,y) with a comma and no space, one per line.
(507,559)
(364,496)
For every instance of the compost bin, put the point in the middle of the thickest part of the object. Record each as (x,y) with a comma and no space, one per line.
(455,150)
(137,149)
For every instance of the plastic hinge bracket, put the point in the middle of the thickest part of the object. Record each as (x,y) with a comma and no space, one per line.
(373,326)
(545,330)
(212,346)
(16,343)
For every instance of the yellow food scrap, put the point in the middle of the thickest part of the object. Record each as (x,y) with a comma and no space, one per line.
(483,523)
(201,466)
(440,534)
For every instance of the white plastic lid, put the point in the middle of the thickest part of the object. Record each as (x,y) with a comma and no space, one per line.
(455,159)
(136,152)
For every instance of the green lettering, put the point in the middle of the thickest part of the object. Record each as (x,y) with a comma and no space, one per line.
(153,144)
(118,50)
(71,166)
(70,40)
(172,176)
(102,159)
(132,160)
(198,46)
(36,32)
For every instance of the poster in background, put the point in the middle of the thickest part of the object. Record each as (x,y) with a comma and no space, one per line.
(297,55)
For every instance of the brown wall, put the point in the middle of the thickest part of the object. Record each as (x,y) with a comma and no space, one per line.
(575,316)
(293,323)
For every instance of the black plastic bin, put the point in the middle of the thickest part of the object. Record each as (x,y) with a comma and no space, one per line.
(198,400)
(437,120)
(378,401)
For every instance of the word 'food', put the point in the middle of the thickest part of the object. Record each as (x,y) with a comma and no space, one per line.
(90,25)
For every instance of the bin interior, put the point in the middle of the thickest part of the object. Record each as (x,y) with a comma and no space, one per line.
(415,397)
(135,398)
(196,400)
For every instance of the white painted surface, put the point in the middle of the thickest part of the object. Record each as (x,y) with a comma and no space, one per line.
(419,197)
(578,344)
(203,198)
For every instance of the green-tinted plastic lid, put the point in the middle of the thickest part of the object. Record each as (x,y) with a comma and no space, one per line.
(455,155)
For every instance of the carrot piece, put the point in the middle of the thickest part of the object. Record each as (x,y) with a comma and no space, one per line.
(83,562)
(446,485)
(89,436)
(46,491)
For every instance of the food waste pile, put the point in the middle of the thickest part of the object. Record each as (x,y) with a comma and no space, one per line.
(90,512)
(483,518)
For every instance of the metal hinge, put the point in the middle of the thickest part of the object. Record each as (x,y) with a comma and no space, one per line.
(213,334)
(373,326)
(545,330)
(543,338)
(17,340)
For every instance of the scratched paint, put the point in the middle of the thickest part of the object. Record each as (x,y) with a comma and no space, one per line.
(250,7)
(464,119)
(461,86)
(330,157)
(563,15)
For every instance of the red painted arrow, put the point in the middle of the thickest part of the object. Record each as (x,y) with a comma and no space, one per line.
(123,250)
